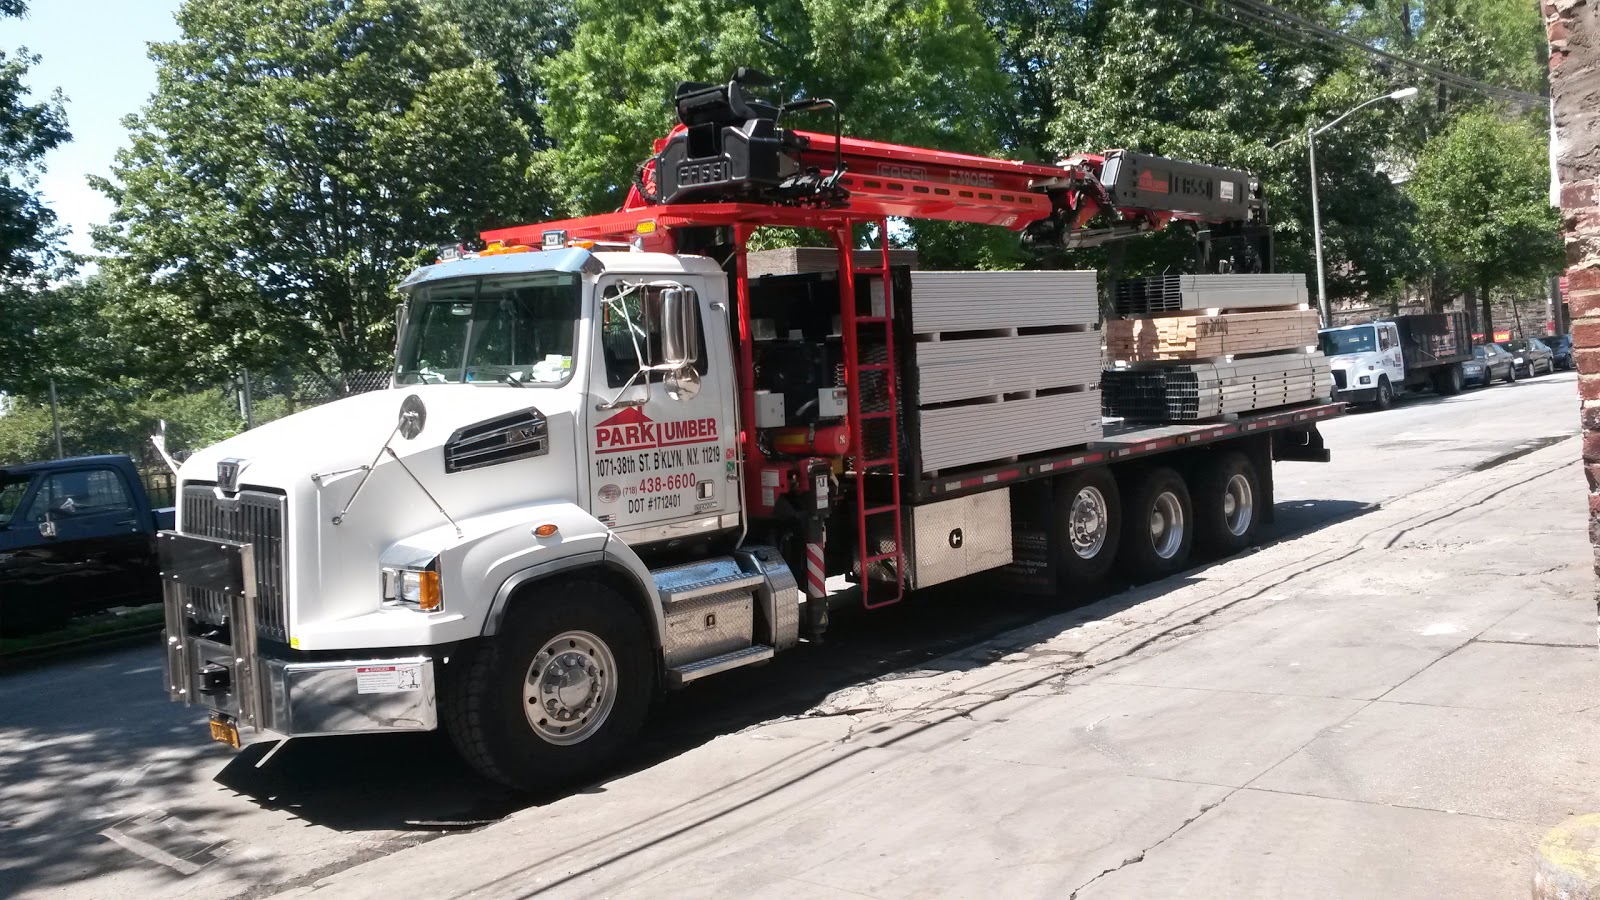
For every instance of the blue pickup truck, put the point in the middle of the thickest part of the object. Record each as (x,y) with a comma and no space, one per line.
(76,536)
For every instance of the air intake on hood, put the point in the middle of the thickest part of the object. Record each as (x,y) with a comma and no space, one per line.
(501,439)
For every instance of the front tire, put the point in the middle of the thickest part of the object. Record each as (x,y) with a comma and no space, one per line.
(558,693)
(1088,526)
(1385,397)
(1511,374)
(1157,526)
(1227,504)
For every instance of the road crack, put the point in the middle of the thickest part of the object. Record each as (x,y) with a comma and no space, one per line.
(1139,857)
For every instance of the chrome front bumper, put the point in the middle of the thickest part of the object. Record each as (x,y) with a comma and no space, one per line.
(221,668)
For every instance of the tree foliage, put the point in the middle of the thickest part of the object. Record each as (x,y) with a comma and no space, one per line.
(517,38)
(1482,197)
(299,155)
(29,237)
(914,71)
(296,159)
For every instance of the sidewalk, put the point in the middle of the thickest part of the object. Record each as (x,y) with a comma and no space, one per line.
(1398,705)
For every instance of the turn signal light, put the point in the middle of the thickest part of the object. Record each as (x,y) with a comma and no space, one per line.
(545,530)
(429,597)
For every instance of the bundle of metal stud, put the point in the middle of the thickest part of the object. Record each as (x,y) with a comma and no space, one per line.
(1180,392)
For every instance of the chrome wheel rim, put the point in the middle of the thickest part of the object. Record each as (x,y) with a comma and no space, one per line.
(1238,505)
(1166,525)
(570,688)
(1087,522)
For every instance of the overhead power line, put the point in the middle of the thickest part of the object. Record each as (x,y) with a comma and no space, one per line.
(1303,32)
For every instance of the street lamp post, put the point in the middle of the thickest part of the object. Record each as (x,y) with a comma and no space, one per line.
(1316,206)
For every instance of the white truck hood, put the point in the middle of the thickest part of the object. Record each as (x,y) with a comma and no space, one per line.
(316,459)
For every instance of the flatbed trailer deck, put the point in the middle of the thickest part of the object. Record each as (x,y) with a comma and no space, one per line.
(1124,441)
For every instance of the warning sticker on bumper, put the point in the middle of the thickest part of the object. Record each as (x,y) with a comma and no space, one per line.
(388,679)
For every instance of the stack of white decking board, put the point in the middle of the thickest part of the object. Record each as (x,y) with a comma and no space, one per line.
(1007,364)
(1206,346)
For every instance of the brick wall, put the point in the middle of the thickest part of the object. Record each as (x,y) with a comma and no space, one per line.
(1574,31)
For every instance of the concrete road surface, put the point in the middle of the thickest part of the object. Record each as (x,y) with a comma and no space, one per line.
(1392,699)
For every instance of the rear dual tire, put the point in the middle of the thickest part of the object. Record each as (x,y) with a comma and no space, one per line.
(1158,526)
(1088,526)
(1449,381)
(1227,500)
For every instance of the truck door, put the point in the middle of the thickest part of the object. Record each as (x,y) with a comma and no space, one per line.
(661,446)
(86,549)
(1389,353)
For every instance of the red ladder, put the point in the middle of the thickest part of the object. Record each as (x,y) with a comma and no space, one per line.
(872,506)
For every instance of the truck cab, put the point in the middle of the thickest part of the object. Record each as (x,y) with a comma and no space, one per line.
(559,422)
(1366,360)
(77,536)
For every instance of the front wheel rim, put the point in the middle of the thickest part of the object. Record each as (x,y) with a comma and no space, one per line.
(1088,523)
(570,688)
(1166,525)
(1238,505)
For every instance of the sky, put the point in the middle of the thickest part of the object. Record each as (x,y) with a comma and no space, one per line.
(94,51)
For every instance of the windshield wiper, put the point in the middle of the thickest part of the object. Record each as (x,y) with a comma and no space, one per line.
(511,379)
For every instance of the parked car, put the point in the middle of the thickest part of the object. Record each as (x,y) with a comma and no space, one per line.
(1531,357)
(1560,350)
(1489,362)
(76,536)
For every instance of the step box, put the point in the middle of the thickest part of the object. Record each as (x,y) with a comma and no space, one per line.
(708,626)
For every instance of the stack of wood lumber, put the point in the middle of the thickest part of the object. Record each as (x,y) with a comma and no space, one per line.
(1208,336)
(1196,347)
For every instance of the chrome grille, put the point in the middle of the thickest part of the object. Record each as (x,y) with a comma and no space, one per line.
(255,517)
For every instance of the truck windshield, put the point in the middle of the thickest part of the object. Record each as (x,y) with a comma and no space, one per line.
(492,330)
(1347,340)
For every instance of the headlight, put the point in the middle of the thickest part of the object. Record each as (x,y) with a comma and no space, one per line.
(413,588)
(1366,379)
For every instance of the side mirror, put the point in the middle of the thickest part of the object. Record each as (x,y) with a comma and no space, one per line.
(680,328)
(47,528)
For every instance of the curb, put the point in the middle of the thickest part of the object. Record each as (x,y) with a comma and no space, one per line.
(84,646)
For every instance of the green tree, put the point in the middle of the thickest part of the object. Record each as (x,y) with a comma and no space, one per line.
(29,237)
(517,38)
(914,71)
(1173,80)
(1484,215)
(296,157)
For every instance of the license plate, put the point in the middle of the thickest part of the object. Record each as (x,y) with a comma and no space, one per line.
(224,731)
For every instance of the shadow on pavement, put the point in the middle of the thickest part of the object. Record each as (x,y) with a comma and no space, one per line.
(81,741)
(350,783)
